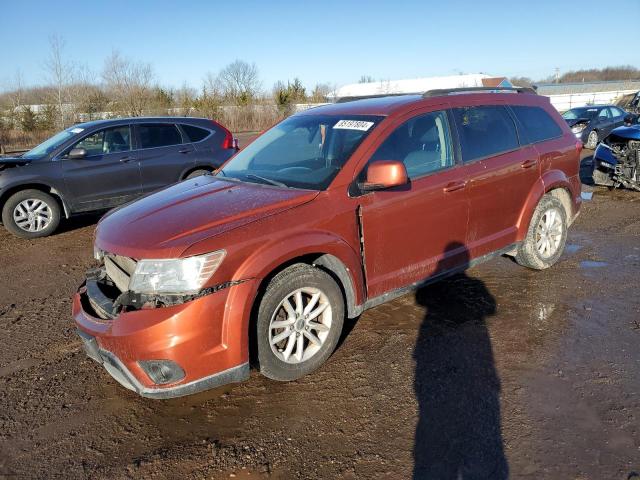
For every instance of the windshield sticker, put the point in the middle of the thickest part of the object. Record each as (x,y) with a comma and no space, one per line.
(77,130)
(354,125)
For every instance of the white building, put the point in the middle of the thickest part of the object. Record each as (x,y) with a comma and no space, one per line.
(417,85)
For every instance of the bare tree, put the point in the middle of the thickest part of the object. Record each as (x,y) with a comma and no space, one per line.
(129,83)
(239,81)
(320,92)
(60,75)
(366,79)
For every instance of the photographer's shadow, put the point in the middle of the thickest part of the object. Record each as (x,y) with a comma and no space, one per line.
(458,435)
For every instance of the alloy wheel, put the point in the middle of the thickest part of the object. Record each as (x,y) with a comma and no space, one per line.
(549,233)
(300,325)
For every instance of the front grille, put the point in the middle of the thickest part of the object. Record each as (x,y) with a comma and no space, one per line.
(119,270)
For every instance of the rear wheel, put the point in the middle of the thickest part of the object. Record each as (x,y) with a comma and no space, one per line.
(197,173)
(299,322)
(592,140)
(31,214)
(546,236)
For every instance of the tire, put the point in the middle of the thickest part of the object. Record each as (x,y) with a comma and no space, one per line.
(592,140)
(532,252)
(197,173)
(284,360)
(31,214)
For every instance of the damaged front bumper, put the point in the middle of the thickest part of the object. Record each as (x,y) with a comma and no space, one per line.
(193,343)
(119,371)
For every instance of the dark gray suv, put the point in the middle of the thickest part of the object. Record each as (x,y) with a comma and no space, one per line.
(102,164)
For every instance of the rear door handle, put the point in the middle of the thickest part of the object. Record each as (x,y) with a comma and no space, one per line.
(453,186)
(529,163)
(126,159)
(185,150)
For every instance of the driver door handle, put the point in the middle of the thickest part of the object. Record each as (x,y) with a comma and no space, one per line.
(185,150)
(529,163)
(453,186)
(126,159)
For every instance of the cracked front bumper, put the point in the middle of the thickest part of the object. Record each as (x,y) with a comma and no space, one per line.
(207,337)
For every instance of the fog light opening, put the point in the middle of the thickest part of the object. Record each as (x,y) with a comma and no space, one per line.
(162,372)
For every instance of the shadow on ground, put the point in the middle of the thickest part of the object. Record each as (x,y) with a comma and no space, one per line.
(458,434)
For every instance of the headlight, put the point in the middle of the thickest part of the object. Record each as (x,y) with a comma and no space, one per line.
(98,254)
(578,128)
(180,276)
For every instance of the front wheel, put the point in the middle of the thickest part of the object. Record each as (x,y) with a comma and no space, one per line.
(31,214)
(299,322)
(546,237)
(592,140)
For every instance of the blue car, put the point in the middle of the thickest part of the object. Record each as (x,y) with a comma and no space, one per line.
(616,161)
(593,123)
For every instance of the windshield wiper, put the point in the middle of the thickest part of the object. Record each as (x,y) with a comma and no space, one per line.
(266,180)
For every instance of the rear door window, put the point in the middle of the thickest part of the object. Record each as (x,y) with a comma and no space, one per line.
(159,135)
(194,133)
(109,140)
(536,124)
(485,131)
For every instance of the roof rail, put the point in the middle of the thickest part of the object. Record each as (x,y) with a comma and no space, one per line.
(449,91)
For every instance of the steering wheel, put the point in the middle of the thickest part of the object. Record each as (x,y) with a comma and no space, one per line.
(295,169)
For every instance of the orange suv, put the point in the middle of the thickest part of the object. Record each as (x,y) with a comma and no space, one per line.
(331,212)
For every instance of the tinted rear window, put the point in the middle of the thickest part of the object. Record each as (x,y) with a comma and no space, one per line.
(485,131)
(536,123)
(195,134)
(159,135)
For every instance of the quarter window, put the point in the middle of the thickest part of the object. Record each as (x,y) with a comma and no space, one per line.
(195,134)
(159,135)
(423,144)
(616,112)
(485,131)
(537,125)
(109,140)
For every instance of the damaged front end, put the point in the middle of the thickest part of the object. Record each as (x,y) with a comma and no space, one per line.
(616,162)
(107,290)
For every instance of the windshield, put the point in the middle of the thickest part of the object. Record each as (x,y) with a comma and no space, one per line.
(52,143)
(305,151)
(576,113)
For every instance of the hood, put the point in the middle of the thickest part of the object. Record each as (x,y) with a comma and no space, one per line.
(576,121)
(165,223)
(10,162)
(629,133)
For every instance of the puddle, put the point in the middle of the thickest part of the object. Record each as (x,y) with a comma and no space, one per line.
(592,264)
(586,196)
(572,248)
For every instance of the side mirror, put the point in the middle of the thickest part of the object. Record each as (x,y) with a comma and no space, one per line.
(77,153)
(629,119)
(384,174)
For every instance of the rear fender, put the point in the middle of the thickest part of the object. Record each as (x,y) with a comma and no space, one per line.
(550,180)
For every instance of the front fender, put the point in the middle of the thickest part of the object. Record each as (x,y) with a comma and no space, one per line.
(604,154)
(270,256)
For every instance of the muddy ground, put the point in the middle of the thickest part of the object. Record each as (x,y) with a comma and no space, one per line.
(501,372)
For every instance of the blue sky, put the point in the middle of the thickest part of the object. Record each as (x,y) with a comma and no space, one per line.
(322,40)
